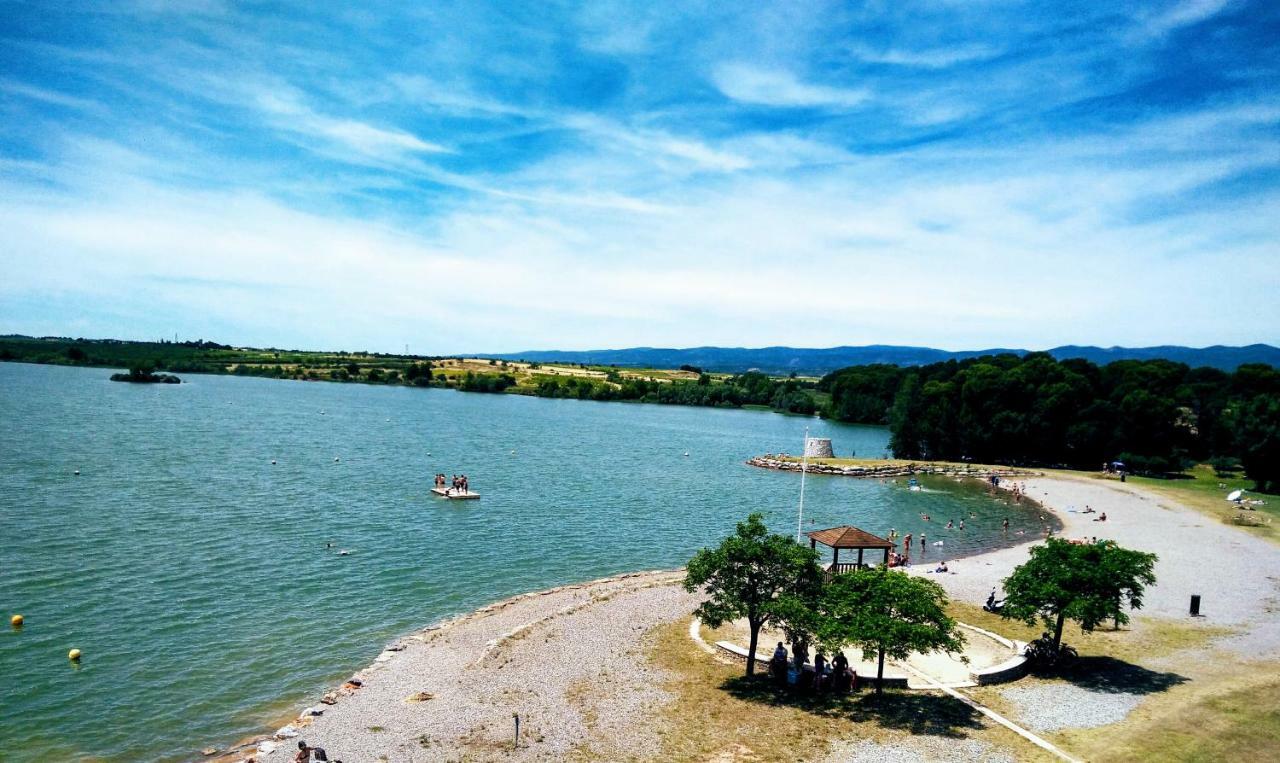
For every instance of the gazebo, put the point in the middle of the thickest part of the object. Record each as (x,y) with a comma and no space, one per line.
(850,538)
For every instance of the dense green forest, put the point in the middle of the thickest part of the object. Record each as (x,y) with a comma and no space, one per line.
(752,388)
(1155,415)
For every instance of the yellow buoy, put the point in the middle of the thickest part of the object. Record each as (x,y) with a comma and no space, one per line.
(16,621)
(74,655)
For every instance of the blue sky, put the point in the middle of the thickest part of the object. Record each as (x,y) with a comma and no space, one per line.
(498,177)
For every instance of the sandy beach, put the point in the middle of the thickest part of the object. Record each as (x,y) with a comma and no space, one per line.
(1236,574)
(571,661)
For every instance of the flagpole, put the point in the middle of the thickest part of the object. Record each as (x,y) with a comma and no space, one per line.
(804,468)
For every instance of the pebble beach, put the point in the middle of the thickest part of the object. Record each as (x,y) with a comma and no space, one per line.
(570,660)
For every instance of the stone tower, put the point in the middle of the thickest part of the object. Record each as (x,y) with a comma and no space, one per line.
(818,447)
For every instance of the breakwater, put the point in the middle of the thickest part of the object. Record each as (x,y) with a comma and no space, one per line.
(889,468)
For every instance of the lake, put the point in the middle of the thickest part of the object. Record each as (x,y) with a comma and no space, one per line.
(194,574)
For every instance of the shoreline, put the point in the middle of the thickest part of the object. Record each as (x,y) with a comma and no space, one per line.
(247,747)
(300,721)
(534,652)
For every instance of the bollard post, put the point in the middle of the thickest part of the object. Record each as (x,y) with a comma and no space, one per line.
(1195,605)
(516,742)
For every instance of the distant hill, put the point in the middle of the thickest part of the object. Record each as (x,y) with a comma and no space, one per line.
(815,362)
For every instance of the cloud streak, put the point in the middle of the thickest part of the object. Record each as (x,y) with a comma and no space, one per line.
(776,87)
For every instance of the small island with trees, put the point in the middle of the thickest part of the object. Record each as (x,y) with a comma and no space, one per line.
(145,375)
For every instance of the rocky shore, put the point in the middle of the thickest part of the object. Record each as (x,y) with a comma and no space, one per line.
(888,469)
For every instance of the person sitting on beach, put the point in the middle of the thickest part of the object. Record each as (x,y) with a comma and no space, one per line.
(819,670)
(305,754)
(1101,517)
(942,567)
(778,664)
(1088,509)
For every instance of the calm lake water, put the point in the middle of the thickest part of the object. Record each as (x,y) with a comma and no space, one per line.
(193,573)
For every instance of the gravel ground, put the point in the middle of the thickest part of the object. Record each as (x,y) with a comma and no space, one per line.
(568,660)
(1237,575)
(1063,706)
(917,749)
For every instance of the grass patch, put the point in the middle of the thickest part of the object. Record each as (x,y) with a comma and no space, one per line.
(718,714)
(1203,721)
(1200,490)
(1145,638)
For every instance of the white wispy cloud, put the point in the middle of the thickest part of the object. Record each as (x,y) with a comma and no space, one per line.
(929,58)
(1181,14)
(45,95)
(289,113)
(776,87)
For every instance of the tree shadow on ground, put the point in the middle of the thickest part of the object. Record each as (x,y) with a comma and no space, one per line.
(911,711)
(1107,674)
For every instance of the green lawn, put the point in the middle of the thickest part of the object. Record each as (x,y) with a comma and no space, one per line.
(1206,492)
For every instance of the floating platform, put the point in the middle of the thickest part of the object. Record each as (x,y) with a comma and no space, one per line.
(454,495)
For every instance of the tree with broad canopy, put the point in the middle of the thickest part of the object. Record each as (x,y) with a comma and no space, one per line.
(752,574)
(885,613)
(1088,583)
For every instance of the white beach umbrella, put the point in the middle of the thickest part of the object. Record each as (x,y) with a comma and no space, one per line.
(1235,495)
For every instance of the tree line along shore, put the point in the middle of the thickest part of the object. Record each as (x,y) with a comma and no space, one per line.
(1154,416)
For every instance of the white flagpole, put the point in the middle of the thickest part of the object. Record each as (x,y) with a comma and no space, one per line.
(804,468)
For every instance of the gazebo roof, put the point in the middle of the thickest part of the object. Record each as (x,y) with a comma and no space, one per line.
(849,537)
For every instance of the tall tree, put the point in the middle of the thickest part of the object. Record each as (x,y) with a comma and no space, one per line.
(1088,583)
(886,613)
(904,419)
(1258,442)
(750,575)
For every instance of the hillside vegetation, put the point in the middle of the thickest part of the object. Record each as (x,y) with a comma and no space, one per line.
(683,386)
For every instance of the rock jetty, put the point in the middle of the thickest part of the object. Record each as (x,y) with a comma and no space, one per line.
(888,469)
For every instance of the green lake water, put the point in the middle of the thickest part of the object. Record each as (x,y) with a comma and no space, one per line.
(194,576)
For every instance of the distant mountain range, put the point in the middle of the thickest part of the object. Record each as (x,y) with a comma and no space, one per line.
(815,362)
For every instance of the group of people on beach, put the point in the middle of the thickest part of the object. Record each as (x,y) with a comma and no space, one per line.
(822,676)
(459,483)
